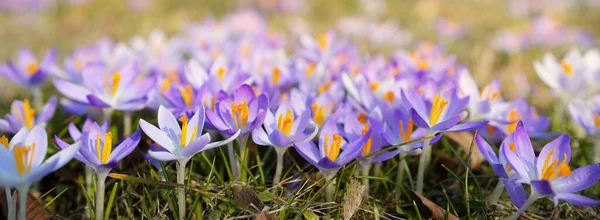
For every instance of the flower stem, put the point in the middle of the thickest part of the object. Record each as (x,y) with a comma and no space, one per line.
(330,188)
(242,141)
(596,154)
(180,190)
(10,203)
(126,124)
(23,192)
(106,114)
(497,193)
(88,186)
(235,173)
(279,168)
(534,196)
(400,174)
(366,167)
(423,162)
(38,98)
(100,194)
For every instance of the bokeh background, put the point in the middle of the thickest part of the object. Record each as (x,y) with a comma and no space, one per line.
(493,38)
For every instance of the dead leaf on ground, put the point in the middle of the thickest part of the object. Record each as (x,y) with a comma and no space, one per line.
(428,209)
(246,196)
(353,198)
(33,206)
(464,140)
(265,216)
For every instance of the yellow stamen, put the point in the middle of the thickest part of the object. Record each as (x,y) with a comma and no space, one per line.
(187,94)
(323,42)
(555,169)
(107,148)
(32,68)
(423,65)
(389,96)
(213,101)
(333,151)
(240,111)
(367,147)
(310,69)
(319,112)
(374,86)
(325,86)
(596,120)
(221,73)
(184,128)
(514,117)
(567,68)
(405,135)
(285,123)
(4,141)
(27,118)
(24,158)
(490,130)
(512,147)
(166,85)
(437,108)
(111,88)
(488,93)
(78,65)
(362,118)
(276,75)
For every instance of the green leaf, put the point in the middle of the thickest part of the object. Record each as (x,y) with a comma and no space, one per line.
(309,215)
(266,196)
(111,199)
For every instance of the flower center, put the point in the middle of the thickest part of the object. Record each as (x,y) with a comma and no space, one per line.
(166,85)
(32,68)
(28,114)
(567,68)
(423,65)
(323,42)
(78,64)
(310,69)
(103,150)
(325,86)
(374,86)
(596,120)
(333,151)
(488,93)
(276,75)
(389,96)
(362,118)
(405,135)
(111,86)
(367,147)
(239,113)
(285,123)
(437,108)
(490,130)
(184,129)
(319,112)
(514,117)
(555,169)
(221,73)
(187,94)
(24,158)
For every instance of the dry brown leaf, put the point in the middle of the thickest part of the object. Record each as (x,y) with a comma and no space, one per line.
(246,196)
(353,198)
(464,140)
(428,209)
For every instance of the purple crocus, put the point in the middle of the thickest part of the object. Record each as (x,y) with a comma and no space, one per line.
(333,151)
(180,143)
(28,71)
(507,175)
(22,161)
(119,90)
(23,115)
(284,129)
(549,173)
(243,112)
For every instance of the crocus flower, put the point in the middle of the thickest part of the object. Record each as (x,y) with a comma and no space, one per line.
(180,142)
(243,112)
(282,130)
(23,115)
(98,153)
(28,71)
(120,90)
(333,151)
(507,175)
(549,173)
(568,79)
(22,161)
(449,29)
(482,103)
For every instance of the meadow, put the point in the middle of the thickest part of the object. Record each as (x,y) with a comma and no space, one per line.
(299,109)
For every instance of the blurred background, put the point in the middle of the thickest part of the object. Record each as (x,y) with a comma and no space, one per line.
(493,38)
